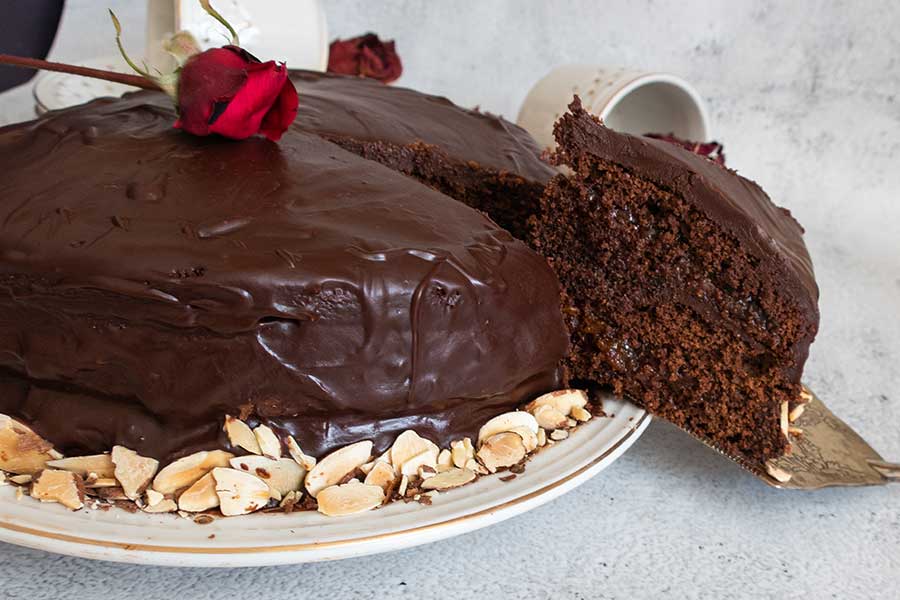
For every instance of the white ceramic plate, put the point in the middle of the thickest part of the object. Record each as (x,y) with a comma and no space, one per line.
(272,539)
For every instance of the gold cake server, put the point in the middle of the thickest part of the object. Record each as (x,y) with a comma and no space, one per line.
(825,452)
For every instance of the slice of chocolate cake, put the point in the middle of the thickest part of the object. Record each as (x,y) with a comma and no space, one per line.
(687,290)
(479,159)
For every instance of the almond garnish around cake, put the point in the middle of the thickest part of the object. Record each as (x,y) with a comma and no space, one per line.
(282,475)
(133,471)
(349,499)
(21,449)
(302,459)
(99,464)
(449,479)
(64,487)
(240,435)
(409,451)
(501,450)
(239,493)
(337,465)
(382,474)
(507,422)
(200,496)
(185,471)
(268,442)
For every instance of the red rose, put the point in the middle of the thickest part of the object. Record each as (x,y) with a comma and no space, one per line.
(714,151)
(228,91)
(365,56)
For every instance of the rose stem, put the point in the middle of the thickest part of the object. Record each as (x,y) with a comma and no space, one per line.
(43,65)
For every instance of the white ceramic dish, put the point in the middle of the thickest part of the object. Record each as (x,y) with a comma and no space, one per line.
(636,102)
(272,539)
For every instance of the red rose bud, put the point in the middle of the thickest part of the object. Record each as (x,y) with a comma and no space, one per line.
(365,56)
(711,150)
(228,91)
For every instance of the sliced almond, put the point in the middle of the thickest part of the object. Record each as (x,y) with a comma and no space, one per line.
(549,417)
(200,496)
(784,418)
(64,487)
(476,467)
(507,422)
(305,461)
(185,471)
(449,479)
(558,435)
(134,472)
(282,475)
(101,464)
(21,449)
(239,493)
(102,483)
(349,499)
(778,473)
(409,445)
(562,400)
(529,437)
(404,483)
(542,437)
(336,466)
(21,479)
(462,451)
(427,458)
(796,412)
(445,460)
(382,475)
(268,442)
(501,450)
(240,435)
(166,505)
(581,414)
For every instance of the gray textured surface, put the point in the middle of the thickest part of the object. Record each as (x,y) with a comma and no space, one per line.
(806,97)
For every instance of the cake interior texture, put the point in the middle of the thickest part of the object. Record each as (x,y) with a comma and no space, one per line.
(686,289)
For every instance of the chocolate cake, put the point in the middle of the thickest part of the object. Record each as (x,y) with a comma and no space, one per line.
(152,282)
(479,159)
(686,289)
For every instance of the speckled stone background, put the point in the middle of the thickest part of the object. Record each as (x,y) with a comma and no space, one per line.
(806,97)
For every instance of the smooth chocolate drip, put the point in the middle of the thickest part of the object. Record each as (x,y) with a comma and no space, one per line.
(151,282)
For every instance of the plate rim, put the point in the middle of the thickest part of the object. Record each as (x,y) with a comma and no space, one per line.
(156,553)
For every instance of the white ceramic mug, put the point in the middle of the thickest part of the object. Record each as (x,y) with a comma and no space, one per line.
(635,102)
(292,31)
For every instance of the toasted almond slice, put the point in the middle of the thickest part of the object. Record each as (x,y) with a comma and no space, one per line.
(549,417)
(462,452)
(349,499)
(101,464)
(561,400)
(409,445)
(367,468)
(64,487)
(336,466)
(382,475)
(529,438)
(21,479)
(778,473)
(134,472)
(427,458)
(240,435)
(268,442)
(796,412)
(784,419)
(166,505)
(501,450)
(449,479)
(22,451)
(152,497)
(507,422)
(200,496)
(476,467)
(558,435)
(542,437)
(283,475)
(444,460)
(305,461)
(102,483)
(185,471)
(239,493)
(579,413)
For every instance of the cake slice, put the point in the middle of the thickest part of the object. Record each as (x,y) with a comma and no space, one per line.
(686,289)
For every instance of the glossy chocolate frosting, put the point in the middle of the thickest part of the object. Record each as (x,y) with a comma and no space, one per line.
(337,106)
(151,282)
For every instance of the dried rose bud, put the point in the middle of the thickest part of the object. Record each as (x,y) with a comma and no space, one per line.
(711,150)
(365,56)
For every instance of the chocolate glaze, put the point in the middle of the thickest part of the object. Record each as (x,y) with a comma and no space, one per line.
(336,106)
(151,282)
(735,203)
